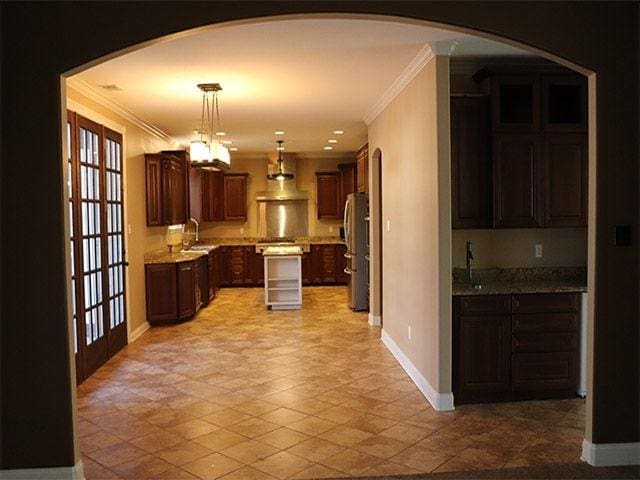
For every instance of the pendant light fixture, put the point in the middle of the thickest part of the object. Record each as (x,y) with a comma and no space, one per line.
(213,155)
(280,174)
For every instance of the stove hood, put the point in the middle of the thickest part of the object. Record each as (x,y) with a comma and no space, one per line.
(281,190)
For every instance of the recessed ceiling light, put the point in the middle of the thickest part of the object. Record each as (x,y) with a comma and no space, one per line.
(227,142)
(333,140)
(221,134)
(279,132)
(328,147)
(338,132)
(233,149)
(280,148)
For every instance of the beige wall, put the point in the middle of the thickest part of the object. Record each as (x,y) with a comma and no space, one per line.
(408,133)
(306,168)
(140,238)
(509,248)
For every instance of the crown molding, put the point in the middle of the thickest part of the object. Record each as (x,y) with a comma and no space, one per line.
(420,60)
(444,47)
(85,89)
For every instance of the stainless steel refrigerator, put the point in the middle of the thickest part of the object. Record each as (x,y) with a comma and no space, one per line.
(355,232)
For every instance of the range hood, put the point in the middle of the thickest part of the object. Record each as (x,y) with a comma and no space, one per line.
(281,190)
(282,208)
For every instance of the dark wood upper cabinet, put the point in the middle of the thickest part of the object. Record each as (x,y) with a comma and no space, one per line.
(362,174)
(212,196)
(166,188)
(470,163)
(515,103)
(153,184)
(348,180)
(235,196)
(564,103)
(328,195)
(516,166)
(564,180)
(195,193)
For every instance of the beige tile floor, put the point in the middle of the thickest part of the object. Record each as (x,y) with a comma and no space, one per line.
(240,392)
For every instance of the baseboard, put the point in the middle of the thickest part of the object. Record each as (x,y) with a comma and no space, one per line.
(134,335)
(55,473)
(439,401)
(610,454)
(374,320)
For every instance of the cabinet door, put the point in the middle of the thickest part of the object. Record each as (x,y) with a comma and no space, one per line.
(564,180)
(249,265)
(328,192)
(258,265)
(307,268)
(516,167)
(161,290)
(153,188)
(236,265)
(212,196)
(347,181)
(329,273)
(211,275)
(537,373)
(564,103)
(484,357)
(515,103)
(235,197)
(362,173)
(316,264)
(187,285)
(470,163)
(195,193)
(341,264)
(220,274)
(173,191)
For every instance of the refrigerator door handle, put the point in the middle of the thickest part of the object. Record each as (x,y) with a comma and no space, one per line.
(348,255)
(346,224)
(347,271)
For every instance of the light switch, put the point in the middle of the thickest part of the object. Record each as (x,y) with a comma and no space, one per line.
(241,230)
(388,225)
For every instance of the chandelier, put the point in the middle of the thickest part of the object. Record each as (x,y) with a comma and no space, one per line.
(212,155)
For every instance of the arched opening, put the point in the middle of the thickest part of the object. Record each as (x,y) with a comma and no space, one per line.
(481,25)
(375,202)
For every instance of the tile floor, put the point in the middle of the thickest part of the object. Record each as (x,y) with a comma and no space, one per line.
(240,392)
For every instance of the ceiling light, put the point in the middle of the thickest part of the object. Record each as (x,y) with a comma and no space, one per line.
(233,149)
(280,174)
(227,142)
(338,132)
(328,147)
(220,134)
(279,132)
(214,154)
(332,140)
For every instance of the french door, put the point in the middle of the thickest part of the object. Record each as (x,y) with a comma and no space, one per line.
(97,243)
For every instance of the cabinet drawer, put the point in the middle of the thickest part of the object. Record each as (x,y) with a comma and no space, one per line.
(544,342)
(547,322)
(546,302)
(481,304)
(543,371)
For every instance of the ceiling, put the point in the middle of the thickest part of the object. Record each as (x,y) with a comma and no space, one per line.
(307,77)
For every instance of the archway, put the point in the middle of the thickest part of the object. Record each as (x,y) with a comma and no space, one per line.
(38,96)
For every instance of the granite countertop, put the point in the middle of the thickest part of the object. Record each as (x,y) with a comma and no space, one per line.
(254,240)
(163,256)
(527,280)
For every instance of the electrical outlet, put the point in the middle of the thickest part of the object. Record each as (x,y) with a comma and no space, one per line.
(241,230)
(538,250)
(409,332)
(129,228)
(330,229)
(388,225)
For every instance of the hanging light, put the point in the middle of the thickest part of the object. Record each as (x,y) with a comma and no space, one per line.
(280,174)
(213,155)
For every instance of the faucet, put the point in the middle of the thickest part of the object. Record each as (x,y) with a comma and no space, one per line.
(185,242)
(469,260)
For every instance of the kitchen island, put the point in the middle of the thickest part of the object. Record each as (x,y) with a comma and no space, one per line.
(283,277)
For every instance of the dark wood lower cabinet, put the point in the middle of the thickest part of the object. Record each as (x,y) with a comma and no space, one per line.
(515,347)
(173,291)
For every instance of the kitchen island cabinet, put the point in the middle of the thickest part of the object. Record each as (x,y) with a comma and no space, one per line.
(508,347)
